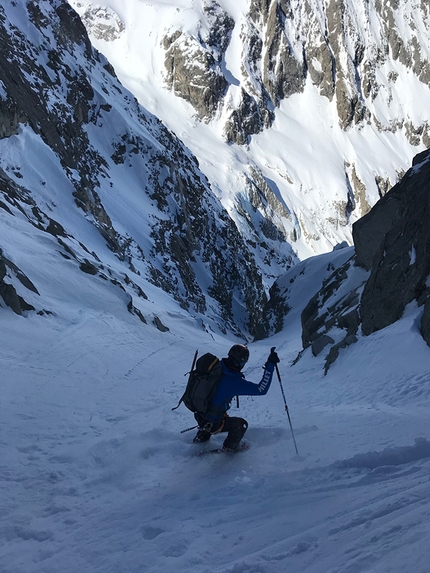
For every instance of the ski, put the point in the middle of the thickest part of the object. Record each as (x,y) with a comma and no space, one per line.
(242,448)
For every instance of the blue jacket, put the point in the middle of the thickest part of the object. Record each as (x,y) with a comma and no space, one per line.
(233,384)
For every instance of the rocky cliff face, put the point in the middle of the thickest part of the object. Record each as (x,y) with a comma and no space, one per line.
(194,65)
(392,242)
(388,269)
(129,177)
(348,51)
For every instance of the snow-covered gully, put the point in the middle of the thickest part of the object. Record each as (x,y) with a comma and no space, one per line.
(96,476)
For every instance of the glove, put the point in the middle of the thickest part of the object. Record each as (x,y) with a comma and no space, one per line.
(273,357)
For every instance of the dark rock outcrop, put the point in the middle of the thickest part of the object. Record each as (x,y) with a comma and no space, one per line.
(392,245)
(333,309)
(194,64)
(389,269)
(199,79)
(8,292)
(393,242)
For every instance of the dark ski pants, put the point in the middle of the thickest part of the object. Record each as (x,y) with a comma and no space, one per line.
(235,428)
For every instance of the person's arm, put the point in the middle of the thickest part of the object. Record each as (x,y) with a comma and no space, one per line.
(243,387)
(264,384)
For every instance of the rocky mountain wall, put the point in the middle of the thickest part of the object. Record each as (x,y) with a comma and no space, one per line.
(393,243)
(388,269)
(321,100)
(348,50)
(109,151)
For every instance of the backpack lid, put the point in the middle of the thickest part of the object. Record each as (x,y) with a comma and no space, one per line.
(206,363)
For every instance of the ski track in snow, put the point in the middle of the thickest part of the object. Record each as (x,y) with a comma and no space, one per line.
(96,476)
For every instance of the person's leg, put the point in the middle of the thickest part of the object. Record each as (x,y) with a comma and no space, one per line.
(236,428)
(203,435)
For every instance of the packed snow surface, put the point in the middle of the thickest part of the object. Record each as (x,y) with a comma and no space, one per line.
(96,476)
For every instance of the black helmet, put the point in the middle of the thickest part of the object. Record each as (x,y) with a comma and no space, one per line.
(239,355)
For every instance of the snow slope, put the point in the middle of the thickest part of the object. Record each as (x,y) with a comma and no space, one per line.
(96,476)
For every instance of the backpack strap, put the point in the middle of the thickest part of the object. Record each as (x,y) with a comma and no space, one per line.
(212,364)
(179,403)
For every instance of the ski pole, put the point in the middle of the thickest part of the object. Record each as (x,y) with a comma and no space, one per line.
(189,429)
(286,407)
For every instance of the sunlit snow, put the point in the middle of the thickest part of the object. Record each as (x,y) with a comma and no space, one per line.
(95,474)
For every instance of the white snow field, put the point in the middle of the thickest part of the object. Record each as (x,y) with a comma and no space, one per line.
(96,477)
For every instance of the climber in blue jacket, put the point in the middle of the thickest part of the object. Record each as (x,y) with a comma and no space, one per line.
(231,384)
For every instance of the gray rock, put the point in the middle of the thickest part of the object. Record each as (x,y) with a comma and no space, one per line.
(9,117)
(8,291)
(320,343)
(425,320)
(319,317)
(194,64)
(2,269)
(219,29)
(249,118)
(194,74)
(392,242)
(392,245)
(351,339)
(88,268)
(369,231)
(160,326)
(321,66)
(105,24)
(283,73)
(10,297)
